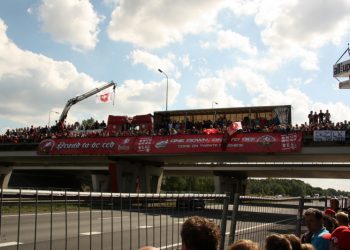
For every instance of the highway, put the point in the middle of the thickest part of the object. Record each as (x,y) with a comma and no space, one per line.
(132,229)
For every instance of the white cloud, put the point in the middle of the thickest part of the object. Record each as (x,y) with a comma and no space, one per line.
(32,84)
(70,21)
(210,90)
(153,62)
(309,24)
(155,24)
(228,39)
(185,61)
(294,30)
(262,94)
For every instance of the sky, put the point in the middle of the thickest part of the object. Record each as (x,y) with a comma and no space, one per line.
(233,52)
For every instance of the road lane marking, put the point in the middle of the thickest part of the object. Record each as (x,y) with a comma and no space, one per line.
(12,243)
(169,246)
(144,227)
(91,233)
(262,225)
(115,217)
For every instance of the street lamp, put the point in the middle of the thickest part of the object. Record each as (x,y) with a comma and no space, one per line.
(51,111)
(166,100)
(212,107)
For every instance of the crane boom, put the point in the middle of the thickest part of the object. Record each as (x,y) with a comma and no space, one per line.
(80,98)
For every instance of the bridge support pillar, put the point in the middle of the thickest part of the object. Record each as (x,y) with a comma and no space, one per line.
(230,184)
(5,175)
(136,177)
(100,183)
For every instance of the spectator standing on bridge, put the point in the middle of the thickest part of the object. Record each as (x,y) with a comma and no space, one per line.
(321,117)
(244,245)
(314,223)
(315,118)
(311,118)
(327,116)
(199,233)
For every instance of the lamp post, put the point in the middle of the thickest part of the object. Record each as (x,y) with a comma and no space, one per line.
(51,111)
(166,99)
(212,107)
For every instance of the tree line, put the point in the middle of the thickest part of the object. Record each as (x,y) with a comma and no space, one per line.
(260,187)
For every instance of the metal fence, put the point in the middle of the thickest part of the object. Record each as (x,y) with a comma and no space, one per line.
(33,219)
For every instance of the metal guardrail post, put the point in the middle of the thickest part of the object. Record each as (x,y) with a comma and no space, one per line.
(223,222)
(234,219)
(300,216)
(325,203)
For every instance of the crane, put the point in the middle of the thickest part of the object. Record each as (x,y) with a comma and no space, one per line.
(80,98)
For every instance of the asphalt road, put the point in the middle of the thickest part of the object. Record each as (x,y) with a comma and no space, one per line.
(159,227)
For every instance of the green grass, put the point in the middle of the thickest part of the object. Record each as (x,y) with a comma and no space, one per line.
(45,208)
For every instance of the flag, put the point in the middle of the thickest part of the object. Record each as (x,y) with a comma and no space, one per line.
(230,131)
(209,131)
(234,127)
(104,98)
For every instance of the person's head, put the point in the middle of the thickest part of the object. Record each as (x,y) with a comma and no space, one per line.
(334,203)
(339,238)
(277,242)
(313,220)
(329,223)
(307,246)
(148,248)
(244,245)
(199,233)
(342,219)
(294,241)
(330,212)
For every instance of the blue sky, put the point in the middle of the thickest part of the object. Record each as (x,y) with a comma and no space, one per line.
(237,53)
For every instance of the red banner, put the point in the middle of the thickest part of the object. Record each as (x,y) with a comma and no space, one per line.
(239,143)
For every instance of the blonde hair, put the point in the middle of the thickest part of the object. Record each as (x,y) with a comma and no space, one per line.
(307,246)
(244,245)
(342,218)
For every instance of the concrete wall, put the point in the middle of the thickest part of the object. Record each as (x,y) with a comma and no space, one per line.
(131,177)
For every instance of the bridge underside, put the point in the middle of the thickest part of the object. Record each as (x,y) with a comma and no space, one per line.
(269,169)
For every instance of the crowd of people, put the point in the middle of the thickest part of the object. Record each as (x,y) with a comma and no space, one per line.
(317,121)
(199,233)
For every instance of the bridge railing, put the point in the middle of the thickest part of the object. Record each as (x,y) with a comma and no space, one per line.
(90,220)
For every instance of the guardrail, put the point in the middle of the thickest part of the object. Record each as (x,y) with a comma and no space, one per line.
(33,219)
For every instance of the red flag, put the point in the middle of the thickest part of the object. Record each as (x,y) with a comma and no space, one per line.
(209,131)
(234,127)
(230,131)
(104,98)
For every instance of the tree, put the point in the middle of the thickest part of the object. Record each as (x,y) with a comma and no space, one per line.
(89,123)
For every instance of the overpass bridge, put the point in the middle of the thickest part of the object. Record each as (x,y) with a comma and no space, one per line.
(122,172)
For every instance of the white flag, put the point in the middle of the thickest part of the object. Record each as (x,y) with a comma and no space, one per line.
(104,98)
